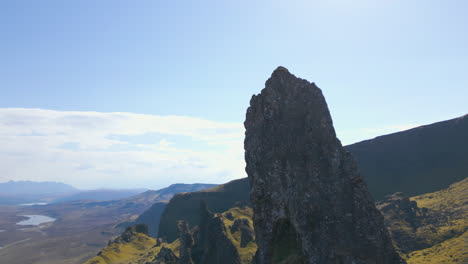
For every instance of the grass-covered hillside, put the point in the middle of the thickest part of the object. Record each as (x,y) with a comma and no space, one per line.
(445,227)
(134,247)
(430,228)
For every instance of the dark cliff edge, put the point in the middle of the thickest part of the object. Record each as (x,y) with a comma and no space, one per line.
(186,206)
(151,218)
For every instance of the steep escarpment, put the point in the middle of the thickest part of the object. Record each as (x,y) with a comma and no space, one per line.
(420,160)
(310,203)
(151,218)
(185,206)
(208,242)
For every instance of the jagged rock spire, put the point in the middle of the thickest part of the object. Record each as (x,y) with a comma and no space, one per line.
(310,203)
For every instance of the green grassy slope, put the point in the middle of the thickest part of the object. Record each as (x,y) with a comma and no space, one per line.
(430,228)
(142,249)
(444,227)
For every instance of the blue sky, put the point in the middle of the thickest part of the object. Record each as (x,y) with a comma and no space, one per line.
(383,66)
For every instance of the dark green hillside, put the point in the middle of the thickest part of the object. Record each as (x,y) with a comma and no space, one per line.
(185,206)
(151,218)
(168,192)
(416,161)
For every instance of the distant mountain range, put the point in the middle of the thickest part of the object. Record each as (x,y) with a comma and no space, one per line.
(27,192)
(100,195)
(35,188)
(22,192)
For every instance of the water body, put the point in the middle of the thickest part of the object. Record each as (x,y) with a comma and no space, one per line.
(35,220)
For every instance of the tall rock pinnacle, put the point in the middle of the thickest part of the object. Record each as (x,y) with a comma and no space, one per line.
(310,203)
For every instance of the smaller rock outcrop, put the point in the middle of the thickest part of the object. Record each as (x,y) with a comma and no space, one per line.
(186,205)
(212,244)
(427,222)
(399,205)
(247,232)
(186,243)
(208,242)
(402,218)
(130,232)
(165,256)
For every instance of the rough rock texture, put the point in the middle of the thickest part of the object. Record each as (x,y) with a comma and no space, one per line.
(400,204)
(212,242)
(310,203)
(165,256)
(186,242)
(206,243)
(403,217)
(186,206)
(130,232)
(429,228)
(247,232)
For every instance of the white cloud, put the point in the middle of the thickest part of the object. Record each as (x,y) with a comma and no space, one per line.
(91,149)
(126,150)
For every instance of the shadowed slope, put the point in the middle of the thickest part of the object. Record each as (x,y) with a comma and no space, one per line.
(420,160)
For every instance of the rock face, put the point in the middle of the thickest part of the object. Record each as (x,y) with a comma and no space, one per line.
(402,218)
(247,233)
(186,242)
(165,256)
(212,242)
(130,232)
(207,242)
(186,206)
(429,226)
(310,203)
